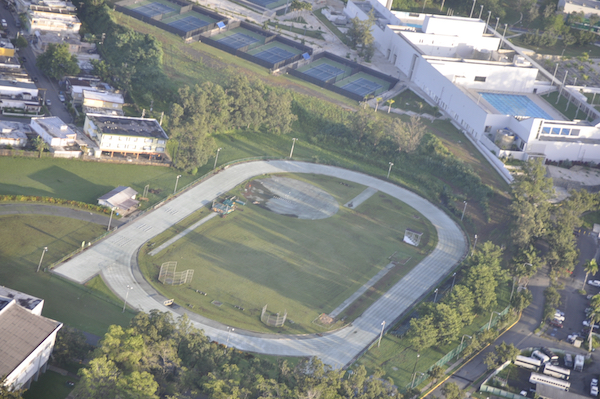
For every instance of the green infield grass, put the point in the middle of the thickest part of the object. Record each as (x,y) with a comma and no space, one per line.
(254,257)
(22,239)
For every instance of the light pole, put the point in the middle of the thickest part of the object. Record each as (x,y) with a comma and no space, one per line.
(490,323)
(129,288)
(176,181)
(217,158)
(463,338)
(112,209)
(42,258)
(471,16)
(381,333)
(229,330)
(435,297)
(390,169)
(481,11)
(488,20)
(503,34)
(414,372)
(497,22)
(453,280)
(464,209)
(474,245)
(292,150)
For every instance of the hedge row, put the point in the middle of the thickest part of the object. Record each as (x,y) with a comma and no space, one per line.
(55,201)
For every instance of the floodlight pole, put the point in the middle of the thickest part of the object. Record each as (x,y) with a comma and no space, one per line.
(463,338)
(42,258)
(112,209)
(453,281)
(561,87)
(554,75)
(229,330)
(217,157)
(463,213)
(435,297)
(481,11)
(390,169)
(474,245)
(381,333)
(293,144)
(471,16)
(490,323)
(129,288)
(497,22)
(415,371)
(487,24)
(176,181)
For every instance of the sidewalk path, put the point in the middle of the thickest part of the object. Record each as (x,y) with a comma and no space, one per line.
(53,210)
(115,257)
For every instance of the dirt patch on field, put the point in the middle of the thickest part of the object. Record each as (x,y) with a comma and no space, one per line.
(291,197)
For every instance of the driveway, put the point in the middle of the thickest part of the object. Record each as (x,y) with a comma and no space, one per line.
(115,258)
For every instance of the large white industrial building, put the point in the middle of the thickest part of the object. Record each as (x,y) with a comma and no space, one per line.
(488,88)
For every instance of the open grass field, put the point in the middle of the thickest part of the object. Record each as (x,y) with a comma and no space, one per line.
(22,239)
(255,257)
(50,385)
(83,181)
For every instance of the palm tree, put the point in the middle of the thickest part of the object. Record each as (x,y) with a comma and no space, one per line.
(390,102)
(40,145)
(594,317)
(377,101)
(590,267)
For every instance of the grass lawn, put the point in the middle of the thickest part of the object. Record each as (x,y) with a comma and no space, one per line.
(22,239)
(397,358)
(307,267)
(563,106)
(557,49)
(409,101)
(50,385)
(83,181)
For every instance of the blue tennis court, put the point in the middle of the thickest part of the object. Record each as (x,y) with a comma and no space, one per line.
(324,72)
(274,55)
(264,3)
(362,87)
(237,40)
(153,9)
(515,105)
(188,23)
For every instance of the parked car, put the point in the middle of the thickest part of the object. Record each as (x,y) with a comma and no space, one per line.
(568,360)
(571,339)
(556,323)
(595,283)
(61,97)
(18,23)
(48,102)
(558,317)
(4,24)
(594,387)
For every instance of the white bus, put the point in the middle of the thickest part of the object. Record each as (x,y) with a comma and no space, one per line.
(528,362)
(551,381)
(558,372)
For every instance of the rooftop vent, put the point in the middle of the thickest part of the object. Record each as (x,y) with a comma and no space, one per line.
(63,127)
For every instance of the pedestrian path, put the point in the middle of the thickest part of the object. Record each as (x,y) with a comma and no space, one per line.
(360,198)
(116,259)
(183,233)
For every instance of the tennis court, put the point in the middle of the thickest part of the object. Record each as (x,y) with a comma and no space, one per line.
(153,9)
(237,40)
(362,86)
(269,4)
(274,55)
(187,24)
(324,72)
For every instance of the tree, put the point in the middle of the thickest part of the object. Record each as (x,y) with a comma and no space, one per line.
(435,373)
(484,275)
(448,323)
(390,102)
(461,299)
(70,346)
(40,145)
(57,62)
(279,116)
(502,354)
(590,267)
(594,317)
(521,300)
(7,393)
(21,42)
(452,391)
(361,37)
(423,332)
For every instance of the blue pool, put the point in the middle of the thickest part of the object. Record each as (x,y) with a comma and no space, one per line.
(515,105)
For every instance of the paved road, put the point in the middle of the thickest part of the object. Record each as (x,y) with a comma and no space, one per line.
(52,210)
(115,259)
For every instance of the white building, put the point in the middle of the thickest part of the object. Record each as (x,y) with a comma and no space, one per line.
(102,102)
(76,85)
(53,16)
(26,338)
(54,131)
(491,93)
(15,135)
(588,7)
(17,90)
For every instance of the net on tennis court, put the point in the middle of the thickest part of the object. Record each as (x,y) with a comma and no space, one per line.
(237,40)
(153,9)
(274,55)
(324,72)
(362,87)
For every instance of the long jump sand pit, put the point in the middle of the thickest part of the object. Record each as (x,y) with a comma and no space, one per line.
(291,197)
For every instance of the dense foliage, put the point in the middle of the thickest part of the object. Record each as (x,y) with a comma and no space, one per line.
(159,357)
(57,62)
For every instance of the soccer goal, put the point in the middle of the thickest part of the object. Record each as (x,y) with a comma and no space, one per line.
(273,320)
(169,276)
(412,237)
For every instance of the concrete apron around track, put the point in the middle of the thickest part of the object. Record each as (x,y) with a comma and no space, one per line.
(113,258)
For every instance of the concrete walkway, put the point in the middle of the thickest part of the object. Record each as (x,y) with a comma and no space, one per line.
(184,233)
(53,210)
(360,198)
(115,258)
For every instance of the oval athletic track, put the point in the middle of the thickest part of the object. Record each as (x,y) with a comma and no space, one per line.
(116,259)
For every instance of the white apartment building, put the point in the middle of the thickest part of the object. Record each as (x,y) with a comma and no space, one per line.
(53,16)
(54,131)
(490,92)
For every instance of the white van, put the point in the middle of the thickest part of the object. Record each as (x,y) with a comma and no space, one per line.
(540,356)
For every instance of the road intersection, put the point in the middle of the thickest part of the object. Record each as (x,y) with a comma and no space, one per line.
(115,258)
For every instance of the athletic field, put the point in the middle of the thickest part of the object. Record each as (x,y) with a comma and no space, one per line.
(255,257)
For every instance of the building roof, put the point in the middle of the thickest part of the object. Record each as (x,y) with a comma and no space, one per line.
(21,332)
(549,392)
(128,126)
(120,197)
(25,300)
(55,127)
(103,96)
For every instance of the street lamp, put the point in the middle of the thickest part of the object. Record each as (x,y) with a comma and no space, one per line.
(414,372)
(112,209)
(292,150)
(176,181)
(129,288)
(381,333)
(435,297)
(453,280)
(42,258)
(490,323)
(488,20)
(390,169)
(474,245)
(463,213)
(471,16)
(229,330)
(463,338)
(481,11)
(217,157)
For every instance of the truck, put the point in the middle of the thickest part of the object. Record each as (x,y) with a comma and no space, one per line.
(579,360)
